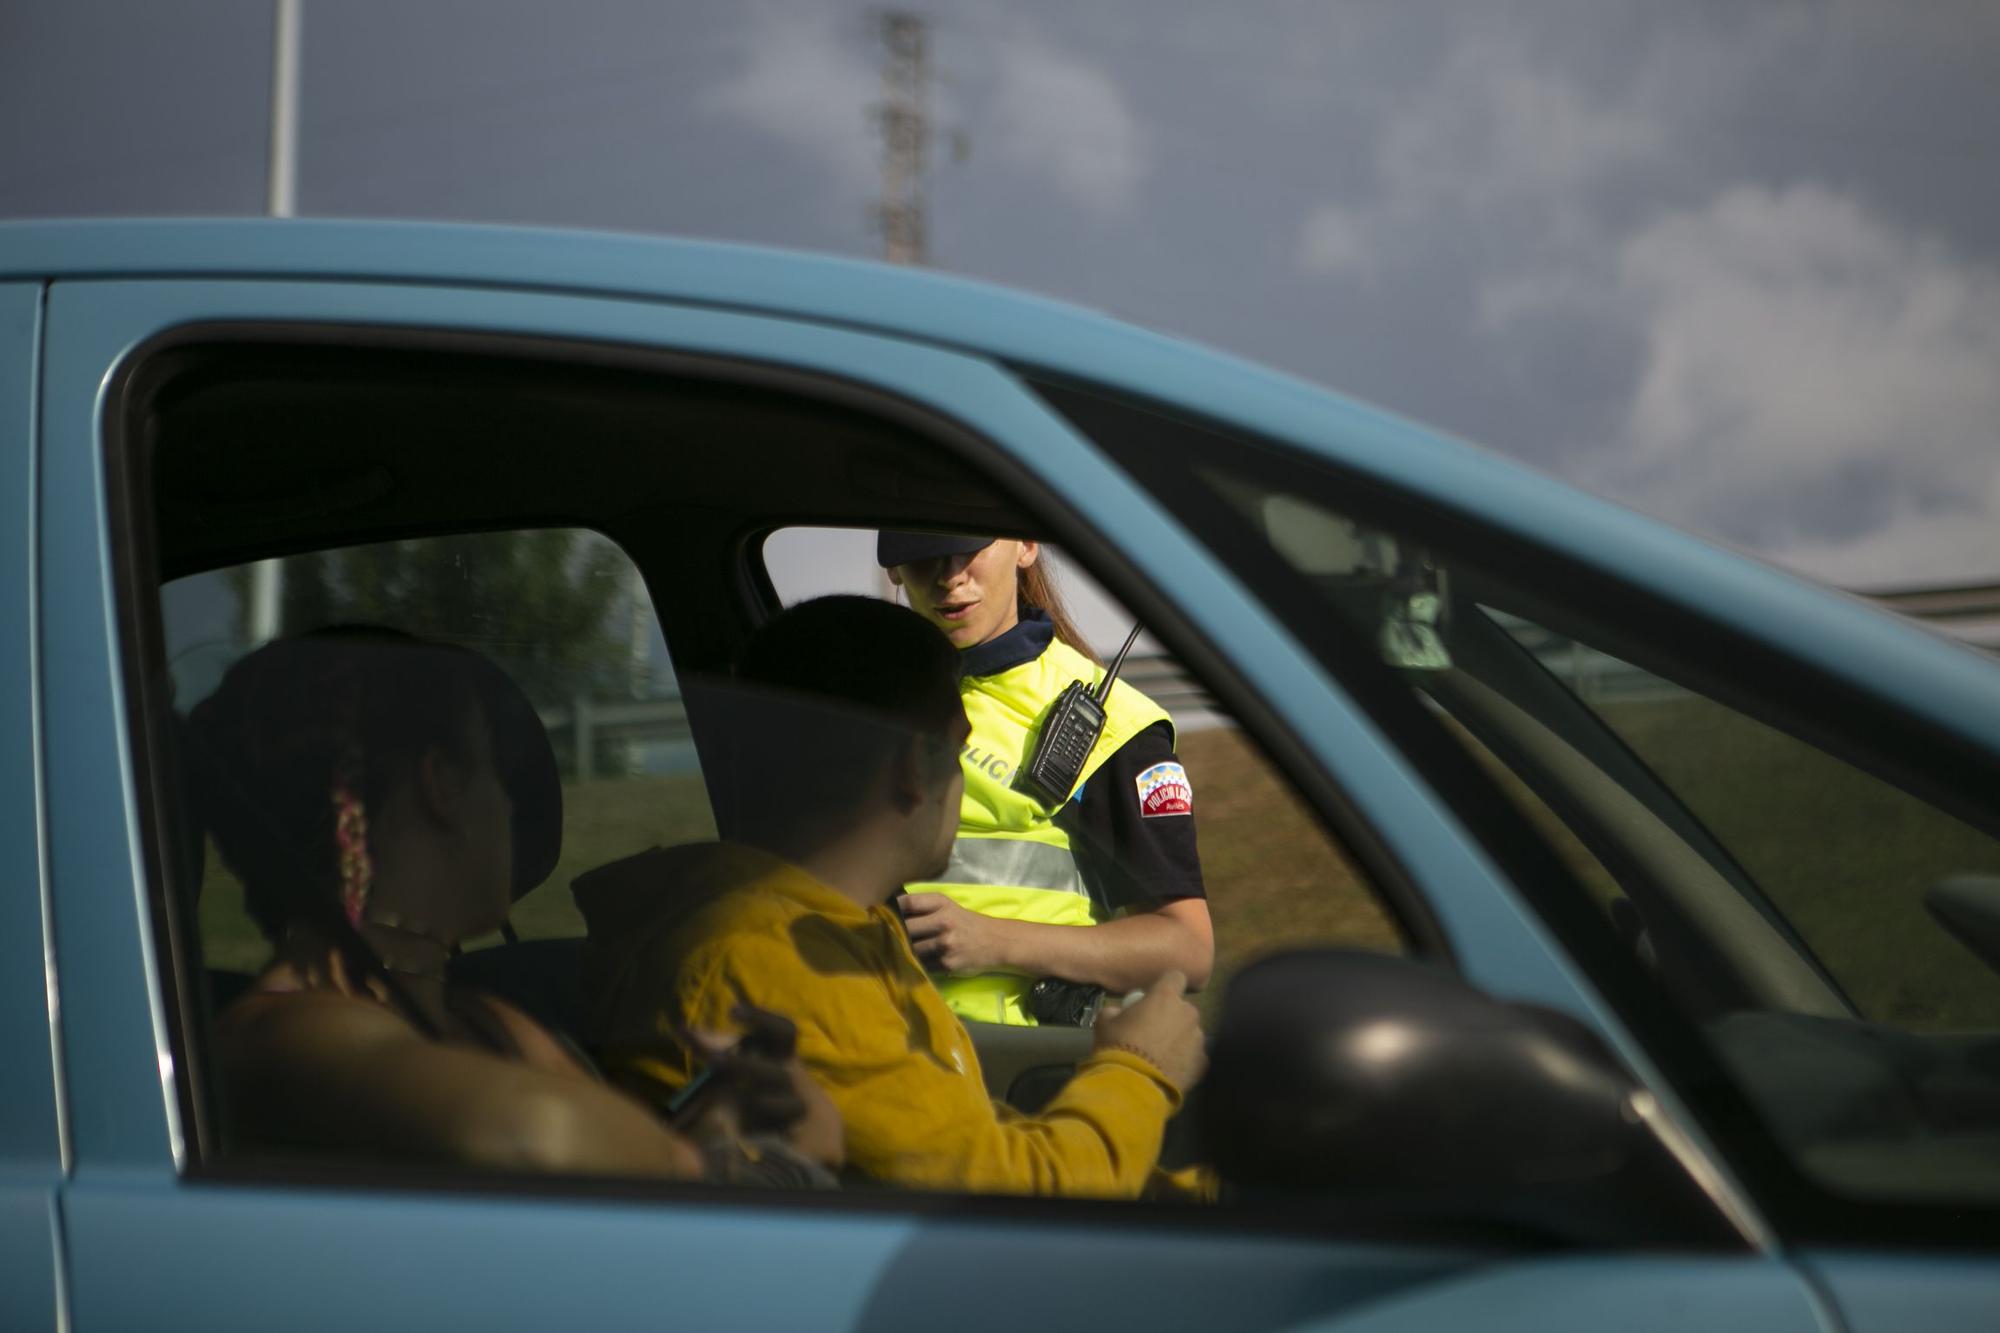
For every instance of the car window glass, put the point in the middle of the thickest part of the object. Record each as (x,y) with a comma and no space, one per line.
(1783,896)
(1275,878)
(1596,879)
(1845,858)
(561,610)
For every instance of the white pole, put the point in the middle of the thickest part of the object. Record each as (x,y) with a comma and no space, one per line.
(267,577)
(284,178)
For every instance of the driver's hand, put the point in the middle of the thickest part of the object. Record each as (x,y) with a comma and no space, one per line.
(1163,1028)
(760,1087)
(818,1133)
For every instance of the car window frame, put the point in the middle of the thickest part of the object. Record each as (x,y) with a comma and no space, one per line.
(135,608)
(1793,694)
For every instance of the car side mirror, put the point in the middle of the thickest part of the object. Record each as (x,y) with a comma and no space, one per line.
(1388,1086)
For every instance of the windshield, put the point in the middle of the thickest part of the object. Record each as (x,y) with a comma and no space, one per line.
(1835,938)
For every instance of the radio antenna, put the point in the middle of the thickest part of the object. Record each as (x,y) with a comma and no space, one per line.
(1104,686)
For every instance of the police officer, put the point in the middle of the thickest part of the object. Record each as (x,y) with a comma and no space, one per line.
(1104,892)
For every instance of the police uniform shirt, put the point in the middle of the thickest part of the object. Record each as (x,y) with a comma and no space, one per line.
(1130,859)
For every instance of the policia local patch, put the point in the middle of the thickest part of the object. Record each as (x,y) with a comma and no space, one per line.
(1164,790)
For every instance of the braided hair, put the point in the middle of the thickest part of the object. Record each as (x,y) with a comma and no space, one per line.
(303,739)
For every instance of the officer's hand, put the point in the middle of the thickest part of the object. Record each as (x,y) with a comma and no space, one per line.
(951,938)
(1162,1027)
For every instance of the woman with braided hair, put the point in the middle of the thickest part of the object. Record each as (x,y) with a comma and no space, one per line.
(382,799)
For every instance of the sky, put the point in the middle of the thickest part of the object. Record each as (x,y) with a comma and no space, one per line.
(1735,263)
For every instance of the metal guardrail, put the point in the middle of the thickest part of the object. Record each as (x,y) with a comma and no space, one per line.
(1163,680)
(1943,604)
(577,730)
(1969,614)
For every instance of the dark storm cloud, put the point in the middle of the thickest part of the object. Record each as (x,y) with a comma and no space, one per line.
(1735,264)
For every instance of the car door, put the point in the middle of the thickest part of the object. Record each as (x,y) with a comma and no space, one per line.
(157,1228)
(31,1147)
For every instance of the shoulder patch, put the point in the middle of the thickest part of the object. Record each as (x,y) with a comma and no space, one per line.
(1164,790)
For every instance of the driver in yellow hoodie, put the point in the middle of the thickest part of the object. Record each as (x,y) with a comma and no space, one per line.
(843,785)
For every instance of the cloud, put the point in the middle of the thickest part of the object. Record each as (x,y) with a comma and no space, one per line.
(1054,117)
(1064,119)
(1335,240)
(801,84)
(1492,147)
(1811,375)
(1781,365)
(1776,361)
(1916,548)
(1494,127)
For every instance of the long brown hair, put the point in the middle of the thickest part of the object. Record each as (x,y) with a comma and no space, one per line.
(1038,590)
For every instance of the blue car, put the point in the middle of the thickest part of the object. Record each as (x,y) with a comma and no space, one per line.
(1607,925)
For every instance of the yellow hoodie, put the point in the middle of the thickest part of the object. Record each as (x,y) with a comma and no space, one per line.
(681,936)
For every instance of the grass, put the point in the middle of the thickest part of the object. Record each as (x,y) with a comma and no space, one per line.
(1845,857)
(1275,879)
(604,820)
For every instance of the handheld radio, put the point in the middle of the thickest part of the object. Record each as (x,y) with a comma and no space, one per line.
(1069,733)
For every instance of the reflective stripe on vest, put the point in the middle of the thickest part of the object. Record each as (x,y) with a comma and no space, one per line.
(1014,861)
(1010,859)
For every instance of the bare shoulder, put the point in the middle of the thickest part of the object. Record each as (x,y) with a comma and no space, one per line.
(304,1020)
(539,1047)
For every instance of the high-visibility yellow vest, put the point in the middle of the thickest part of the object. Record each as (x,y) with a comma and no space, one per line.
(1010,859)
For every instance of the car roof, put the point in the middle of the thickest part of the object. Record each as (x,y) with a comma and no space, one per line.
(1927,674)
(909,302)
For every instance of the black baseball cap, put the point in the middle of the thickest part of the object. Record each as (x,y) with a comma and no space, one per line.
(907,548)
